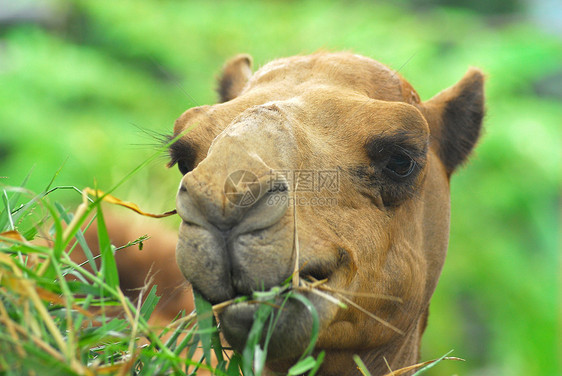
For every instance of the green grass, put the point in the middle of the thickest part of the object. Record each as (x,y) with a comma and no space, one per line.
(62,318)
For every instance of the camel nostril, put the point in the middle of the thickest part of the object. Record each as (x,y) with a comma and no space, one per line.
(316,273)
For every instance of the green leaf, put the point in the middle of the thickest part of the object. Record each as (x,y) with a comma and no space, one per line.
(149,304)
(315,322)
(362,367)
(6,214)
(185,342)
(79,236)
(58,246)
(260,356)
(109,332)
(193,345)
(253,350)
(55,175)
(217,346)
(319,360)
(31,232)
(108,265)
(419,372)
(234,365)
(205,322)
(302,366)
(7,217)
(83,288)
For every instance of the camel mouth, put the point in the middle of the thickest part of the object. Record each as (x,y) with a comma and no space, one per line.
(292,329)
(249,263)
(286,327)
(309,274)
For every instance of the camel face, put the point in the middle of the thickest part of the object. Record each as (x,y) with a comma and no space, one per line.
(339,150)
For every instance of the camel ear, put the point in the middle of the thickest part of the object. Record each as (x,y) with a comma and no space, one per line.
(235,74)
(455,118)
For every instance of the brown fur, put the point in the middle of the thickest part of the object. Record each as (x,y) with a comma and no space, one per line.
(385,231)
(236,73)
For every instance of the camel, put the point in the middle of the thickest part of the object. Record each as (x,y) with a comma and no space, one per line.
(335,156)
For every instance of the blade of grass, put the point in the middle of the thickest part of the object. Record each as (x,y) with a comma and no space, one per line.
(108,264)
(302,366)
(315,322)
(8,211)
(37,198)
(11,203)
(205,323)
(253,355)
(79,237)
(433,363)
(55,175)
(217,346)
(193,346)
(319,360)
(234,365)
(171,342)
(58,247)
(362,367)
(149,303)
(426,365)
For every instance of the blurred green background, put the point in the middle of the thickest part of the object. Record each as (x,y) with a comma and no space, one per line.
(92,86)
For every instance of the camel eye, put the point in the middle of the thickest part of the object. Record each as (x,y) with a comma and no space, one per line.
(182,152)
(400,165)
(183,167)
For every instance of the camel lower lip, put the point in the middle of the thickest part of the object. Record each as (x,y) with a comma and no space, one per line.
(236,321)
(289,337)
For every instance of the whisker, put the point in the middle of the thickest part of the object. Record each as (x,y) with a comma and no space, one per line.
(185,92)
(159,137)
(337,300)
(328,297)
(362,294)
(320,285)
(371,315)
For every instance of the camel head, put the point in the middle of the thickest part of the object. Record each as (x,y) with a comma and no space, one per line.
(333,154)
